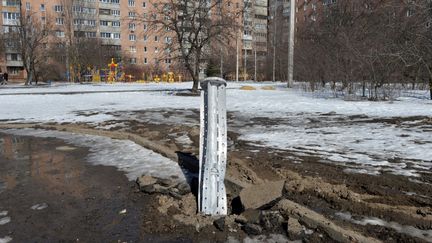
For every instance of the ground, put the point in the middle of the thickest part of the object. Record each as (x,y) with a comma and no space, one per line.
(364,165)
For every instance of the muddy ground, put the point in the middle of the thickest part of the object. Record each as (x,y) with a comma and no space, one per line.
(399,207)
(48,193)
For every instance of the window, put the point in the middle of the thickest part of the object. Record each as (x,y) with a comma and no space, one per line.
(132,26)
(145,26)
(58,8)
(13,57)
(116,23)
(116,35)
(132,37)
(145,37)
(145,60)
(132,14)
(90,34)
(145,48)
(42,7)
(144,5)
(131,3)
(156,38)
(327,2)
(59,21)
(105,35)
(28,7)
(410,12)
(60,34)
(115,12)
(156,50)
(132,48)
(104,23)
(103,11)
(10,16)
(133,60)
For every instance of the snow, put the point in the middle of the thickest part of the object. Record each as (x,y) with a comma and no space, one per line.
(5,239)
(404,229)
(39,206)
(347,133)
(5,220)
(127,156)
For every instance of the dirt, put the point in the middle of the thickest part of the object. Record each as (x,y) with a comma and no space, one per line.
(81,202)
(322,187)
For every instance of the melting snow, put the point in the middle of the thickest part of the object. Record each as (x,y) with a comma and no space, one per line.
(127,156)
(40,206)
(5,239)
(309,126)
(5,220)
(403,229)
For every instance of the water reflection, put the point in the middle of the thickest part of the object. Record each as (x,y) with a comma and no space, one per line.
(26,158)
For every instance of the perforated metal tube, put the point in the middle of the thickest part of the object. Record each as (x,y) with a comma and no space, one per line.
(213,148)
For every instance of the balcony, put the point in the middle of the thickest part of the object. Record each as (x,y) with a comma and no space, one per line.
(247,37)
(15,63)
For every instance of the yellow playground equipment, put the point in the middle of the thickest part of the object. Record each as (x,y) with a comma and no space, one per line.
(112,75)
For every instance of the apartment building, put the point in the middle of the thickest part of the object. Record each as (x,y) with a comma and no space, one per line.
(10,60)
(254,39)
(114,22)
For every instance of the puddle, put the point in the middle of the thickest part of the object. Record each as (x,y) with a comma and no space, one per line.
(127,156)
(403,229)
(75,197)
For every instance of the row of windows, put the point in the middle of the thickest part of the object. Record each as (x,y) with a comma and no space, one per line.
(133,60)
(10,16)
(156,49)
(108,35)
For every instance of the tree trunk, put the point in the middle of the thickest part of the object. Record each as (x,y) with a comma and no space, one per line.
(195,77)
(430,87)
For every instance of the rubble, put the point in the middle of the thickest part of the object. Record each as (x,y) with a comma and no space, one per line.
(262,195)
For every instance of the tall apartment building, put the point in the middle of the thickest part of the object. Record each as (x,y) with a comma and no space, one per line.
(114,22)
(10,60)
(254,40)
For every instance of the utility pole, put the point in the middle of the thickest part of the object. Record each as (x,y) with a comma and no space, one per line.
(291,45)
(237,58)
(245,62)
(255,63)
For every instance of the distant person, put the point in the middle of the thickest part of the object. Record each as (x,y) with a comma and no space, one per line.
(6,77)
(2,82)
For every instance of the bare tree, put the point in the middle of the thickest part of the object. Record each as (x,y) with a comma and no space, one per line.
(194,25)
(32,37)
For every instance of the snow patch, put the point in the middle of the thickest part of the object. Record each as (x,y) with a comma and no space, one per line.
(3,213)
(5,220)
(6,239)
(40,206)
(403,229)
(126,155)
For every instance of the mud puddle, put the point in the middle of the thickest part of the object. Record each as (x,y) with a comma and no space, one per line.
(49,193)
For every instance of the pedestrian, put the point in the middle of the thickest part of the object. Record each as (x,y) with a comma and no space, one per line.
(1,78)
(6,77)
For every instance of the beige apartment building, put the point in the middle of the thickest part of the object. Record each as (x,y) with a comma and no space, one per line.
(118,26)
(115,22)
